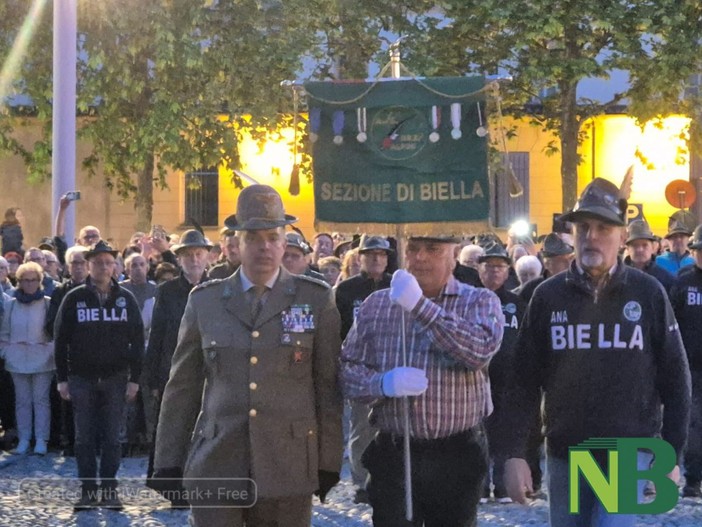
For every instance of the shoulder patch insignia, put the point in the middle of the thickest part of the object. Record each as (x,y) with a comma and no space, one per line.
(312,280)
(208,283)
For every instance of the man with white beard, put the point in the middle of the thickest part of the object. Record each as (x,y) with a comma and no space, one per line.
(601,341)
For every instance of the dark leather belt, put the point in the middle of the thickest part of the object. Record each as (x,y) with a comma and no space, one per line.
(441,443)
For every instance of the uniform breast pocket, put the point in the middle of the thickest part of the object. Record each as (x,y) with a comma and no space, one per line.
(213,342)
(298,355)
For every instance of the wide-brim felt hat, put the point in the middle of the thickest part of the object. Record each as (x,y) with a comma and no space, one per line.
(639,230)
(192,238)
(374,243)
(47,243)
(258,207)
(553,245)
(495,250)
(295,240)
(681,222)
(101,247)
(599,200)
(696,240)
(343,246)
(678,227)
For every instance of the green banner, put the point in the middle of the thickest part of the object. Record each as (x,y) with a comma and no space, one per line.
(400,152)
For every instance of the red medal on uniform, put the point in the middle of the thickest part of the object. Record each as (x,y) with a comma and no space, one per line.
(298,355)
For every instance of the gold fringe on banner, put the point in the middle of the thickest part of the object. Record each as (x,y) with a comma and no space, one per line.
(406,230)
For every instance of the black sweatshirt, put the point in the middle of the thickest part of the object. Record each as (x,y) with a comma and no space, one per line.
(605,361)
(351,293)
(686,297)
(94,341)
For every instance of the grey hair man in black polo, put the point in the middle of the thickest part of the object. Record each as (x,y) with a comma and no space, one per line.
(602,342)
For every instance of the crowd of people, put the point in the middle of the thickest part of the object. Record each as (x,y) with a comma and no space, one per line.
(225,359)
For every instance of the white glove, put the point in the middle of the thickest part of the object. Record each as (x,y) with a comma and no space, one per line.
(405,290)
(403,381)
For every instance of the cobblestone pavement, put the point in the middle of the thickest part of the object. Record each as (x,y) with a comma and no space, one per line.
(145,509)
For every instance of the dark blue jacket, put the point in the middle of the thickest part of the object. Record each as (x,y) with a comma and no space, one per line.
(606,361)
(93,340)
(686,298)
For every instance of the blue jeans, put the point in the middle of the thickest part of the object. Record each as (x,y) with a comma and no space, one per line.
(693,450)
(97,412)
(592,514)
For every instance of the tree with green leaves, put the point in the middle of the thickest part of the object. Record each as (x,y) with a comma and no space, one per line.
(548,47)
(161,83)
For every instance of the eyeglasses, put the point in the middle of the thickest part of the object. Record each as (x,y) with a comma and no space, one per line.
(28,280)
(36,259)
(496,267)
(100,263)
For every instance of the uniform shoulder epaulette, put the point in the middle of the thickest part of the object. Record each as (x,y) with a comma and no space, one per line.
(311,280)
(208,283)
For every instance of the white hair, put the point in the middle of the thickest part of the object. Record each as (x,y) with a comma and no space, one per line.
(470,252)
(74,249)
(527,268)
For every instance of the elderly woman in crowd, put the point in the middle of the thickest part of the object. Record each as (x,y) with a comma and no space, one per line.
(528,268)
(29,356)
(470,254)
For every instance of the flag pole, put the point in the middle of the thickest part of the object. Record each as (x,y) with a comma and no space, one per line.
(395,71)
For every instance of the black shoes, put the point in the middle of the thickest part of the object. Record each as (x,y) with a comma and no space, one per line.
(361,496)
(109,499)
(88,501)
(692,491)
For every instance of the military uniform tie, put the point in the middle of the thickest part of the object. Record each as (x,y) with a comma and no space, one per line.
(257,300)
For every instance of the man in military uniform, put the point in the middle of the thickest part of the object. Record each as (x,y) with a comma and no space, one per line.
(602,342)
(254,383)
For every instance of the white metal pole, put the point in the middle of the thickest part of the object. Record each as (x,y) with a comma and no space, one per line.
(395,72)
(63,164)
